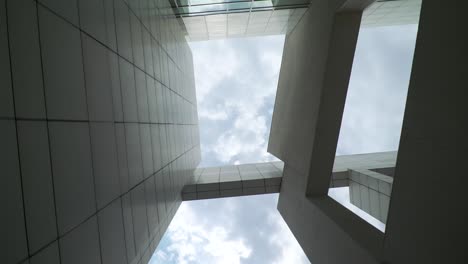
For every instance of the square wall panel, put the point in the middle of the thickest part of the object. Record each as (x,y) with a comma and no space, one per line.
(161,196)
(81,245)
(122,157)
(156,60)
(128,228)
(142,96)
(26,59)
(129,99)
(111,234)
(73,174)
(98,80)
(93,19)
(67,9)
(152,206)
(148,53)
(13,228)
(156,141)
(33,142)
(123,31)
(63,68)
(110,24)
(140,220)
(115,83)
(152,104)
(48,255)
(105,162)
(135,165)
(146,150)
(6,92)
(137,41)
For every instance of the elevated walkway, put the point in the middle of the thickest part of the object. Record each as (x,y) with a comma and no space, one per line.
(262,178)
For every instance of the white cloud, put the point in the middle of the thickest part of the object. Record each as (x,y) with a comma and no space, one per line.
(236,84)
(247,136)
(376,98)
(193,240)
(209,75)
(212,115)
(246,230)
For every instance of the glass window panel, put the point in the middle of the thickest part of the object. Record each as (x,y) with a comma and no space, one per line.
(260,4)
(201,9)
(182,2)
(239,5)
(291,2)
(206,2)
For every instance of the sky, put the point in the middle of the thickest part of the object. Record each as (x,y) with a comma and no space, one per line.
(219,235)
(236,83)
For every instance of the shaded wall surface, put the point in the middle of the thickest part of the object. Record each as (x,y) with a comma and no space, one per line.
(426,221)
(98,128)
(428,210)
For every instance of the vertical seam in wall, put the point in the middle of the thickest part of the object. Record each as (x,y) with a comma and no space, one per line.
(48,135)
(123,228)
(168,188)
(115,25)
(263,178)
(20,176)
(156,199)
(149,121)
(108,56)
(133,225)
(146,213)
(240,176)
(122,108)
(89,132)
(172,176)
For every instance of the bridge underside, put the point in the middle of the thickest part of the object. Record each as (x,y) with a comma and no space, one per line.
(263,178)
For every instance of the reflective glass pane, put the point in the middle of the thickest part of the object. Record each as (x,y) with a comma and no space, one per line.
(239,5)
(291,2)
(260,4)
(206,2)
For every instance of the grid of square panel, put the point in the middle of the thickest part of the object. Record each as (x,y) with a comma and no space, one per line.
(218,19)
(98,126)
(261,178)
(242,24)
(369,161)
(386,13)
(235,180)
(206,7)
(370,191)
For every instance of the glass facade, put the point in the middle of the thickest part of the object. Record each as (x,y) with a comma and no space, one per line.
(217,19)
(386,13)
(207,7)
(240,24)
